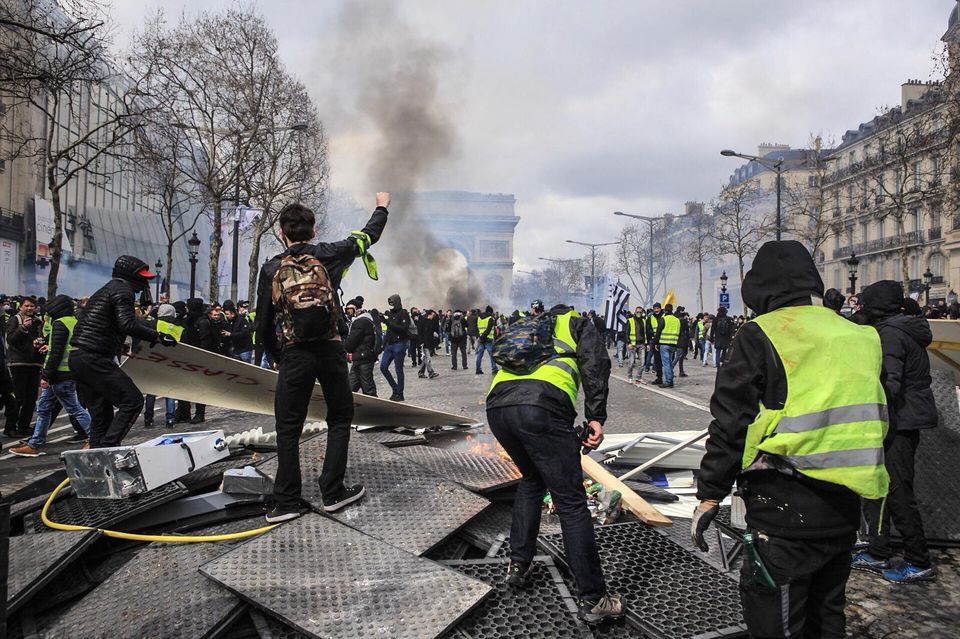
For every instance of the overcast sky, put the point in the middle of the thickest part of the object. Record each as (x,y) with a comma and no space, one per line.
(582,108)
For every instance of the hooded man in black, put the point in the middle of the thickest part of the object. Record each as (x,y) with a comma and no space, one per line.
(395,344)
(906,382)
(806,527)
(107,320)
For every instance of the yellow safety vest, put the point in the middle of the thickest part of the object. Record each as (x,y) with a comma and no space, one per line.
(632,330)
(670,334)
(562,372)
(69,322)
(482,323)
(835,418)
(164,326)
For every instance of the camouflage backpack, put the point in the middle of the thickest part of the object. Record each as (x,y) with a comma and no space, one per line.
(526,344)
(306,299)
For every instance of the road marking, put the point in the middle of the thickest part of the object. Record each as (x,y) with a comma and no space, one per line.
(52,441)
(658,391)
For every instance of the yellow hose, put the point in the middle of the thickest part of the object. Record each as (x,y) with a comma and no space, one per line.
(136,537)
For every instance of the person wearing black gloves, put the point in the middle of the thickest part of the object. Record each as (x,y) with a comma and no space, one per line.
(395,343)
(802,435)
(24,339)
(98,338)
(532,417)
(906,380)
(298,290)
(363,346)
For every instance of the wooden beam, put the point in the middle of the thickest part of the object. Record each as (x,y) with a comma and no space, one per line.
(631,500)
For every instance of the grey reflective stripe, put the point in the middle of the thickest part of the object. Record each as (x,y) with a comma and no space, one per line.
(565,367)
(832,416)
(837,459)
(563,346)
(785,610)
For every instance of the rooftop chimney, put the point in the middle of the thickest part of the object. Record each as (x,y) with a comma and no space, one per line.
(766,149)
(912,90)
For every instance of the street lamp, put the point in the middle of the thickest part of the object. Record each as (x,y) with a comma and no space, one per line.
(776,166)
(593,267)
(193,248)
(558,262)
(852,263)
(159,266)
(650,221)
(927,280)
(723,282)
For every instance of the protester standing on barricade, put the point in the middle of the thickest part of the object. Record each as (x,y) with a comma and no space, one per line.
(803,439)
(298,289)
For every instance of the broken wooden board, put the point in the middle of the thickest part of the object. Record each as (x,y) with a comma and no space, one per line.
(195,375)
(630,500)
(944,350)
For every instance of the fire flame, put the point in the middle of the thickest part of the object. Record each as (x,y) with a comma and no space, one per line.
(486,448)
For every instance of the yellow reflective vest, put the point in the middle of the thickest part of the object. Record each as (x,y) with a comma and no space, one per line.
(670,334)
(68,321)
(561,372)
(633,331)
(169,328)
(834,421)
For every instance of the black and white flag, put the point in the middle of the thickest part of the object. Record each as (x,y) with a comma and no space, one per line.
(615,308)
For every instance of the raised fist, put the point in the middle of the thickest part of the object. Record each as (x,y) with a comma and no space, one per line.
(383,199)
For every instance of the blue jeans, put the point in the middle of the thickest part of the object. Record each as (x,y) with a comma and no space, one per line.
(546,450)
(395,354)
(244,357)
(488,347)
(66,393)
(148,405)
(668,355)
(621,348)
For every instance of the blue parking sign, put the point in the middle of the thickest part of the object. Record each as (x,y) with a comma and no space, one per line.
(725,299)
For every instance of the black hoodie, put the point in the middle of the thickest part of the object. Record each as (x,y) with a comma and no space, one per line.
(906,365)
(791,506)
(60,306)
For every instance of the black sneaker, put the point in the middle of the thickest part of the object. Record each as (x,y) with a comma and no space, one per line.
(349,495)
(277,515)
(434,375)
(610,606)
(78,437)
(666,385)
(518,574)
(396,397)
(479,372)
(148,424)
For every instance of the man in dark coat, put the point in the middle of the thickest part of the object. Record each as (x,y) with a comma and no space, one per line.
(98,338)
(361,344)
(906,381)
(721,334)
(24,338)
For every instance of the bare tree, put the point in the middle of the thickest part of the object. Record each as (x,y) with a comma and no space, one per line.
(701,245)
(740,227)
(56,65)
(808,216)
(633,257)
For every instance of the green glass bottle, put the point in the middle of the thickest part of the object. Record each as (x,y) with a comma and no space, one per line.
(759,575)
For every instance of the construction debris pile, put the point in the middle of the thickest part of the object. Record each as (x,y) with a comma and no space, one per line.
(422,555)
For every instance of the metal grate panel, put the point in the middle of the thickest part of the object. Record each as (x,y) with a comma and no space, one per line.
(158,594)
(327,580)
(679,533)
(393,439)
(476,472)
(493,524)
(36,559)
(405,505)
(670,593)
(104,513)
(544,608)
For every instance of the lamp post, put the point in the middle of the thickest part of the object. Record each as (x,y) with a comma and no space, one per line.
(193,248)
(927,280)
(852,263)
(558,262)
(777,166)
(650,221)
(723,282)
(593,267)
(159,267)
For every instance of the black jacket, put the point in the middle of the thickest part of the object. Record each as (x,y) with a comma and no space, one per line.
(60,306)
(20,348)
(784,505)
(398,326)
(594,364)
(460,319)
(722,330)
(361,342)
(429,331)
(653,326)
(241,334)
(335,257)
(906,365)
(109,317)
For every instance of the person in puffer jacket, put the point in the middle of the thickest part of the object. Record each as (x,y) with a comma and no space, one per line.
(98,338)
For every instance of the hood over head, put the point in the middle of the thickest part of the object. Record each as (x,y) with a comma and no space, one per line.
(195,306)
(394,301)
(882,299)
(915,327)
(912,307)
(834,299)
(60,306)
(132,269)
(783,274)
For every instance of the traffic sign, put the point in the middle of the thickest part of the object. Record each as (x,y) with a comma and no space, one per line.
(725,299)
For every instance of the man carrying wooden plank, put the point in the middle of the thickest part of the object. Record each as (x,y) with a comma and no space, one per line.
(531,408)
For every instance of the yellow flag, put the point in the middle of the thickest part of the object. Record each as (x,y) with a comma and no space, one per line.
(670,298)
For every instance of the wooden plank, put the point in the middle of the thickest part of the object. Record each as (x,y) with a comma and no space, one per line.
(631,500)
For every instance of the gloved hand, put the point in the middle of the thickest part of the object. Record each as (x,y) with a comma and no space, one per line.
(703,514)
(167,340)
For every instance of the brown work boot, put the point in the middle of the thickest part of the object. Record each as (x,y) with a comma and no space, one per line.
(86,445)
(26,450)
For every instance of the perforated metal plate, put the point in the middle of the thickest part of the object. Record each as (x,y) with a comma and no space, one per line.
(938,494)
(393,439)
(36,559)
(476,472)
(404,505)
(679,532)
(670,593)
(158,594)
(494,522)
(544,608)
(104,513)
(328,580)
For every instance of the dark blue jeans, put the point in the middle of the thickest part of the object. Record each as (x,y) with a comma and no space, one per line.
(485,347)
(394,353)
(547,451)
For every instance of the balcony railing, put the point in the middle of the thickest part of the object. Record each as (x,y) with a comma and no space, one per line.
(937,279)
(884,243)
(935,233)
(11,225)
